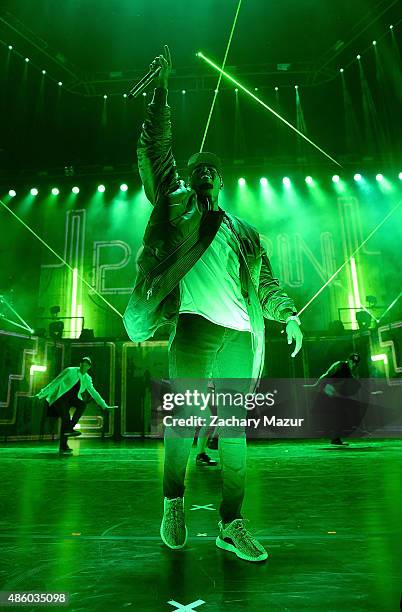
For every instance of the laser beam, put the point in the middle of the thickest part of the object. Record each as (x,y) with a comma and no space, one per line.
(271,110)
(220,76)
(391,212)
(59,257)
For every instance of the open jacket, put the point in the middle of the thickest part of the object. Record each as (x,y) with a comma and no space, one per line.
(66,381)
(179,231)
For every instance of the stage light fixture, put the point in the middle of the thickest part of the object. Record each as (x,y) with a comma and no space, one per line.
(43,71)
(75,190)
(105,96)
(276,88)
(309,180)
(286,181)
(357,177)
(296,87)
(124,95)
(144,94)
(183,91)
(255,88)
(12,193)
(34,191)
(242,182)
(10,47)
(335,178)
(60,84)
(379,177)
(27,59)
(236,90)
(391,27)
(358,56)
(55,191)
(263,181)
(400,176)
(123,187)
(374,42)
(101,188)
(341,70)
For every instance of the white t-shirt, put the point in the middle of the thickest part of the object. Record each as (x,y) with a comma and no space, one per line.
(212,287)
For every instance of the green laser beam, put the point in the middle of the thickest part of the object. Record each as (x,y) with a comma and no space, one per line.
(220,76)
(390,306)
(59,257)
(271,110)
(348,260)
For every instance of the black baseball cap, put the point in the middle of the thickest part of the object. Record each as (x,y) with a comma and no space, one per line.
(354,357)
(87,359)
(209,159)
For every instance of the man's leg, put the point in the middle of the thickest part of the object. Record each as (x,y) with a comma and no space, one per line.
(191,356)
(64,408)
(80,407)
(233,369)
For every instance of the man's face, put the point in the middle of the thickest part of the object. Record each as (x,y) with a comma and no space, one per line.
(84,367)
(205,180)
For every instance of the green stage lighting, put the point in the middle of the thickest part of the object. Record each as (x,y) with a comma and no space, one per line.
(374,42)
(101,188)
(55,191)
(43,71)
(336,178)
(357,177)
(60,84)
(183,91)
(286,181)
(105,96)
(12,193)
(263,181)
(309,180)
(358,57)
(123,187)
(242,182)
(10,47)
(75,190)
(27,59)
(400,176)
(379,177)
(341,70)
(34,191)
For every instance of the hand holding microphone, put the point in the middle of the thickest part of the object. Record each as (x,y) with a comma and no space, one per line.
(159,70)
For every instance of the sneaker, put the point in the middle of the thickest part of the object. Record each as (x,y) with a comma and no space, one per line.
(338,442)
(65,451)
(173,528)
(204,459)
(237,539)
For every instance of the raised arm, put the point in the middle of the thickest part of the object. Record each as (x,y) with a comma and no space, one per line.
(156,163)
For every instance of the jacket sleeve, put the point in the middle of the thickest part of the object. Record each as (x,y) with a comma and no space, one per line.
(94,394)
(275,302)
(156,163)
(45,391)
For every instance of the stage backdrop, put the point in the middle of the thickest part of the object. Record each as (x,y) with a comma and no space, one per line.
(309,230)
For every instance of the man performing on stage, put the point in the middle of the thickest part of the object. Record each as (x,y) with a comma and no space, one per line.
(205,272)
(72,388)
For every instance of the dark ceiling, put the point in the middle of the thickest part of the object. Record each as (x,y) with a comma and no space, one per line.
(98,47)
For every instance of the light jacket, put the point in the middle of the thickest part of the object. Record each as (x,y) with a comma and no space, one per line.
(65,381)
(179,230)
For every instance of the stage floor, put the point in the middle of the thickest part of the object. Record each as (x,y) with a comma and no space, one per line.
(88,525)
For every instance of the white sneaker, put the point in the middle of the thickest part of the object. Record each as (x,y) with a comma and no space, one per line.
(173,528)
(237,539)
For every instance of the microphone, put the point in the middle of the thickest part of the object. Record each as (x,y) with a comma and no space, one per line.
(144,82)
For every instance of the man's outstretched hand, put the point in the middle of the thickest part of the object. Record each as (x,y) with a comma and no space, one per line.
(294,333)
(165,63)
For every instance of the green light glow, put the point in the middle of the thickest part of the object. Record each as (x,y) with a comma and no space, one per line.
(12,193)
(75,190)
(37,368)
(355,282)
(263,181)
(352,311)
(335,178)
(241,182)
(286,181)
(381,357)
(55,191)
(101,188)
(34,191)
(73,312)
(309,180)
(357,177)
(123,187)
(271,110)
